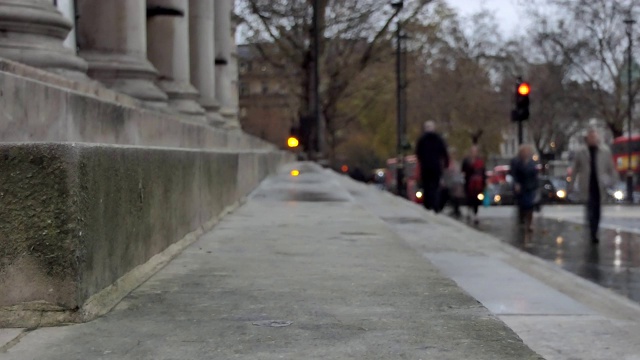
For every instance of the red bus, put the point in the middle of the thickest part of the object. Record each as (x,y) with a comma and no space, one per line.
(498,175)
(620,150)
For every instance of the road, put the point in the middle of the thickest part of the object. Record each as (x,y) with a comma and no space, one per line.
(561,238)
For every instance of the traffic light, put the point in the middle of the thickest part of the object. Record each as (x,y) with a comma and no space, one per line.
(293,141)
(521,111)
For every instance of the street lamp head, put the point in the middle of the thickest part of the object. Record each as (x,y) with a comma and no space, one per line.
(397,5)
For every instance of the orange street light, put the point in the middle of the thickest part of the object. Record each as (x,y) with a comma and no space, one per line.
(293,142)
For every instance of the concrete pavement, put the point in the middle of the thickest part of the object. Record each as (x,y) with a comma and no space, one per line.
(320,267)
(558,314)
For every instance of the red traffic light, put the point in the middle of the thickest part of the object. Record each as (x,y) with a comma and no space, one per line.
(524,89)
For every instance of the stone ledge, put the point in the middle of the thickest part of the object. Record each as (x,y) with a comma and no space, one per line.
(39,106)
(92,89)
(80,223)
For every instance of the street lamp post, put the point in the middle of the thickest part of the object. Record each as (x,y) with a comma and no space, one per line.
(320,138)
(400,178)
(629,23)
(315,100)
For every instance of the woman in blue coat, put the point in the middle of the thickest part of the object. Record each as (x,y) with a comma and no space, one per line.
(525,175)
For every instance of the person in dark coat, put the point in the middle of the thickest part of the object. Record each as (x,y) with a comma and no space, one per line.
(433,158)
(475,181)
(525,178)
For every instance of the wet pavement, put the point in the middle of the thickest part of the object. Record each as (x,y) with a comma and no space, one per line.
(613,263)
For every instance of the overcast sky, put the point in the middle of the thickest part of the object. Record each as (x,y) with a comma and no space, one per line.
(506,11)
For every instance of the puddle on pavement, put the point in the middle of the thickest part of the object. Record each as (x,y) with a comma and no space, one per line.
(404,220)
(614,263)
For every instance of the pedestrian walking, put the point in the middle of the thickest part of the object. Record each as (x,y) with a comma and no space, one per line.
(524,172)
(433,158)
(453,186)
(475,180)
(594,171)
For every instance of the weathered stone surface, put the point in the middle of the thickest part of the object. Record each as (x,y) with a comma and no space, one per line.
(202,57)
(75,218)
(38,220)
(112,37)
(168,48)
(33,32)
(35,111)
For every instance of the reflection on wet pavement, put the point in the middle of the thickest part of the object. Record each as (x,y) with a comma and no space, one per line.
(614,263)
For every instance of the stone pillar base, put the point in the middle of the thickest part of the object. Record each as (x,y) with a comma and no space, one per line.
(33,34)
(212,112)
(127,74)
(231,118)
(216,120)
(182,97)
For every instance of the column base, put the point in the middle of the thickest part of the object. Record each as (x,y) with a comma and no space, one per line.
(216,120)
(33,34)
(212,112)
(230,116)
(126,74)
(182,97)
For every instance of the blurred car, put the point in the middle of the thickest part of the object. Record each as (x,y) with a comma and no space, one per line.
(501,194)
(554,190)
(617,193)
(379,178)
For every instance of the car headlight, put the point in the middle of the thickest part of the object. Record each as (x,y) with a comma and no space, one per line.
(619,195)
(561,194)
(480,197)
(419,194)
(497,198)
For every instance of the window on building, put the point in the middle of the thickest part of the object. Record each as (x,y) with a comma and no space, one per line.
(244,89)
(243,67)
(265,88)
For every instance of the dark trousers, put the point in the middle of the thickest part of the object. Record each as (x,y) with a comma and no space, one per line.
(446,197)
(431,189)
(593,212)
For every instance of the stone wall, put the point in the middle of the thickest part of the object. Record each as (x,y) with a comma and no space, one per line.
(37,106)
(83,224)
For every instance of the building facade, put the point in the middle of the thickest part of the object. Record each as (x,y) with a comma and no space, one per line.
(268,108)
(173,54)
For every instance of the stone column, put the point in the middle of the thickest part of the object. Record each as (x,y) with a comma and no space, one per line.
(202,55)
(234,72)
(224,45)
(112,37)
(33,32)
(168,48)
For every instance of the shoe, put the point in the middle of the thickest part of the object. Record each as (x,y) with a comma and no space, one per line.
(594,239)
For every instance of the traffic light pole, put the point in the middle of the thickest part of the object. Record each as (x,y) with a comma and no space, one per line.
(629,23)
(520,133)
(317,112)
(521,111)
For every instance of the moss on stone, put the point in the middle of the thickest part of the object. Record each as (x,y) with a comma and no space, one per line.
(35,216)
